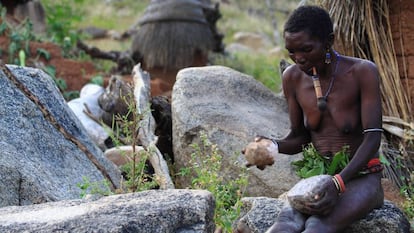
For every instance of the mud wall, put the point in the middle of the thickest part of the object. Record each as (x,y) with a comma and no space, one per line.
(402,27)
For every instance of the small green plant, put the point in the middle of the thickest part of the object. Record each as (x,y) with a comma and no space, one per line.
(407,191)
(98,80)
(125,129)
(408,205)
(206,163)
(138,178)
(42,52)
(22,57)
(19,36)
(314,164)
(61,16)
(88,187)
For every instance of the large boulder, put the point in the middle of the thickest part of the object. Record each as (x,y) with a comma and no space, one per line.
(40,162)
(189,211)
(259,213)
(231,108)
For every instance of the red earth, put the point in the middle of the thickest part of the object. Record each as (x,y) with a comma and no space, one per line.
(78,73)
(75,73)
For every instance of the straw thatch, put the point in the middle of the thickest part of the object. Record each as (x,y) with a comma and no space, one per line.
(171,33)
(362,29)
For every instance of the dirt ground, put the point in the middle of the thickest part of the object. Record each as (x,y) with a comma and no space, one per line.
(75,73)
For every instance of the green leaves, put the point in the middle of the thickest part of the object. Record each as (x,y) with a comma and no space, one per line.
(96,187)
(314,164)
(339,161)
(44,53)
(205,169)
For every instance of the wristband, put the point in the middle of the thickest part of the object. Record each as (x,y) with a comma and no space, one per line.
(339,183)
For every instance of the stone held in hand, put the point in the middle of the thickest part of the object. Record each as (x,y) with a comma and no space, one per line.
(307,191)
(260,153)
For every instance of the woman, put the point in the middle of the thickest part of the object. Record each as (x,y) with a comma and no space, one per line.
(334,101)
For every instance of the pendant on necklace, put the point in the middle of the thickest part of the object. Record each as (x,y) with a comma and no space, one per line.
(323,99)
(322,103)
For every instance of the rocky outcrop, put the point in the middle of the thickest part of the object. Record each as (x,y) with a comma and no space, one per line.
(231,108)
(40,162)
(259,213)
(179,211)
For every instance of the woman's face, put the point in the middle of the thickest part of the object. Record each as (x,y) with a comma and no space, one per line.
(304,50)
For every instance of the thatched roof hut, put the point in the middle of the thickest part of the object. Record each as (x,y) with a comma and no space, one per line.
(172,33)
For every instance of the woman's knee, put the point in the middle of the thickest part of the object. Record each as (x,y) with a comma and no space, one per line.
(316,225)
(288,221)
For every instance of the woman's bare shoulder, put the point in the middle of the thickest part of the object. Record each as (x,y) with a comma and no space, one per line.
(291,72)
(360,65)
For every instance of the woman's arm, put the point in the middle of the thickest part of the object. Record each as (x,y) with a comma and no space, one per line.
(371,118)
(263,150)
(298,135)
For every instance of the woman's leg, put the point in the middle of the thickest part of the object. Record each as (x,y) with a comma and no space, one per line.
(362,195)
(289,220)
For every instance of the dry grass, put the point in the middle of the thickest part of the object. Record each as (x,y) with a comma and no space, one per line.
(363,30)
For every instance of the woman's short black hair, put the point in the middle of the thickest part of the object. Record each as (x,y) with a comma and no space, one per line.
(311,19)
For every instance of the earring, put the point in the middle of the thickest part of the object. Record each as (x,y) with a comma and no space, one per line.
(328,57)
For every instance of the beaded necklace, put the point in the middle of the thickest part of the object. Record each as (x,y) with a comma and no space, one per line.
(322,99)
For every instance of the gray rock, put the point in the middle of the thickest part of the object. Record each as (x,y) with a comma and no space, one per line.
(38,164)
(232,108)
(306,191)
(259,213)
(189,211)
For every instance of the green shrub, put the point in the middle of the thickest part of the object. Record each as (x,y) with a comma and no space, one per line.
(20,37)
(124,131)
(206,163)
(60,17)
(99,187)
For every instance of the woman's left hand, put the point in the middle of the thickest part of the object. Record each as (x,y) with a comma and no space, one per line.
(324,202)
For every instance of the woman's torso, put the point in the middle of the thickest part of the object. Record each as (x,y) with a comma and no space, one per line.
(340,123)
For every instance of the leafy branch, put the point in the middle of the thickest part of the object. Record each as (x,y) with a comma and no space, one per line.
(314,164)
